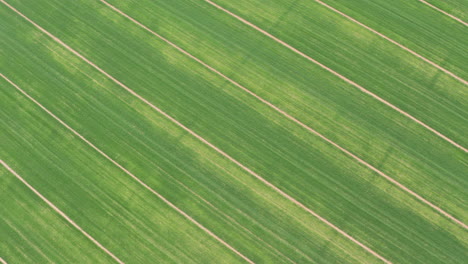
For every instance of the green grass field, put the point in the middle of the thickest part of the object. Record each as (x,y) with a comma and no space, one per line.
(222,176)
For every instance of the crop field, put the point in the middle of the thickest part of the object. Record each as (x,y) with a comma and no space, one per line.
(247,131)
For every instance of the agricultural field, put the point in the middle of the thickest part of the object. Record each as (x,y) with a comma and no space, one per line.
(247,131)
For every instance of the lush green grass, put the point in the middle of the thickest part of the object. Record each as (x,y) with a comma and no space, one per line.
(155,150)
(352,197)
(33,233)
(126,218)
(458,8)
(381,67)
(382,137)
(413,24)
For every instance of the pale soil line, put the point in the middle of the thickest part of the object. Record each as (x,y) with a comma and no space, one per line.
(239,224)
(443,12)
(338,75)
(394,42)
(347,152)
(56,209)
(207,202)
(126,171)
(192,133)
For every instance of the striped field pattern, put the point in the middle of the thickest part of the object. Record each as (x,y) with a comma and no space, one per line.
(247,131)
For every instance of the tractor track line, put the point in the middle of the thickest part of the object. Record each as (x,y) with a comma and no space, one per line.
(56,209)
(338,75)
(393,41)
(180,211)
(443,12)
(287,196)
(347,152)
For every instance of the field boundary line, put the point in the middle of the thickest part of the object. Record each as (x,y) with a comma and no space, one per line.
(232,220)
(180,211)
(347,152)
(56,209)
(337,74)
(2,261)
(195,135)
(393,41)
(444,12)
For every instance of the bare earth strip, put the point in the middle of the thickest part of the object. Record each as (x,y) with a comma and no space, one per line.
(58,211)
(443,12)
(338,75)
(287,196)
(394,42)
(347,152)
(126,171)
(241,226)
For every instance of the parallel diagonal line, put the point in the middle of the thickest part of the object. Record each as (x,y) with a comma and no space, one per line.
(2,261)
(234,221)
(56,209)
(199,138)
(443,12)
(347,152)
(393,42)
(209,204)
(180,211)
(338,75)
